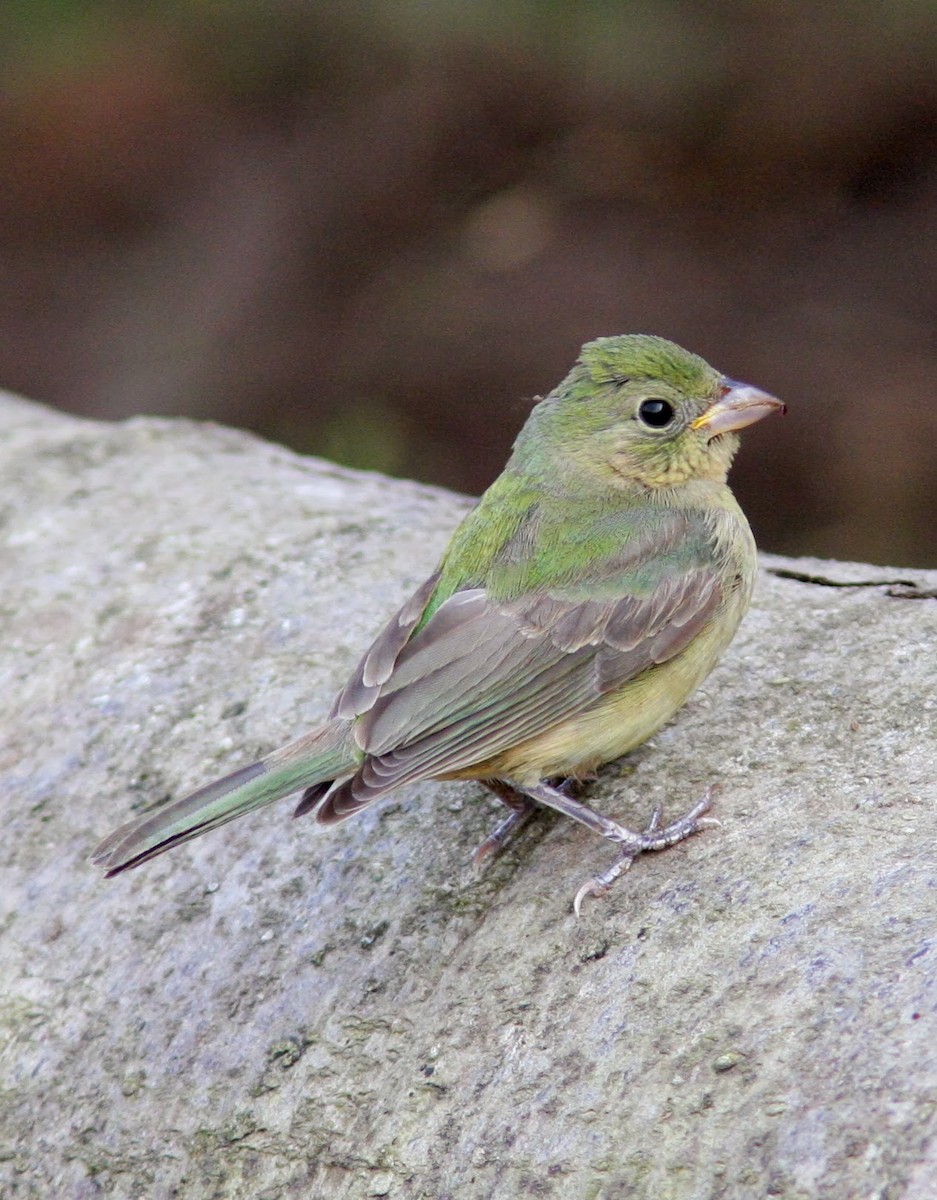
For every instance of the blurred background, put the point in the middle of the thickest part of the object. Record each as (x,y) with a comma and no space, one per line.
(376,231)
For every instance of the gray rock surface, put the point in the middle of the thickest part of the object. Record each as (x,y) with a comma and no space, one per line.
(280,1010)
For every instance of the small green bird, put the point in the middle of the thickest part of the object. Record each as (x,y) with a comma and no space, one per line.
(591,590)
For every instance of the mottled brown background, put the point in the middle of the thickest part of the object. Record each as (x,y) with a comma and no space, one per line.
(375,231)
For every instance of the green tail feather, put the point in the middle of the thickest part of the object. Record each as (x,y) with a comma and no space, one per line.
(327,753)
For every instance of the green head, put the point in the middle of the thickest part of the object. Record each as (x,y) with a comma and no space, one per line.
(637,410)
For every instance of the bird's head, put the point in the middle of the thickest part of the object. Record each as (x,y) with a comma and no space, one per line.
(637,410)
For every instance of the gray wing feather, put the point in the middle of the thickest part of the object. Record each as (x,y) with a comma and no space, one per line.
(376,667)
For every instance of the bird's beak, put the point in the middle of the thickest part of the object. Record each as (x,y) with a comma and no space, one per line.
(738,406)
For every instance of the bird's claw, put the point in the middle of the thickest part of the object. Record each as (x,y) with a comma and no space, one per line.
(653,837)
(600,885)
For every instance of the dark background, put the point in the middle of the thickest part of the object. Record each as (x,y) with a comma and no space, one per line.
(375,231)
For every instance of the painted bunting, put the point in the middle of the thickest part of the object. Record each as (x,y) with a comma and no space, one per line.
(576,607)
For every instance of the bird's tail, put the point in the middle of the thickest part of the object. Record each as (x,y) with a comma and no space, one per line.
(323,755)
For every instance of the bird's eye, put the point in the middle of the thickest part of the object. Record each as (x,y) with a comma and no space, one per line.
(656,413)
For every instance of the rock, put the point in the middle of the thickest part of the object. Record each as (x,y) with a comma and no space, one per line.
(283,1010)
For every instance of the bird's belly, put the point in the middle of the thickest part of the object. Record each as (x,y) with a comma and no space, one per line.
(616,724)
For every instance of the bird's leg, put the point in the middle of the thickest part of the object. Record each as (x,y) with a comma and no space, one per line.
(654,837)
(522,809)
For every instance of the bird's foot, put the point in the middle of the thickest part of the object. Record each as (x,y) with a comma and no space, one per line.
(522,809)
(653,837)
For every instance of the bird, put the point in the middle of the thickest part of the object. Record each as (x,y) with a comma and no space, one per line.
(589,592)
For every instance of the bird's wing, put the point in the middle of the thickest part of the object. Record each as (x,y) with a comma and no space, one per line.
(483,675)
(377,665)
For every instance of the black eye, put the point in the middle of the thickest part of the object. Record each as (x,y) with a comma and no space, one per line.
(656,413)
